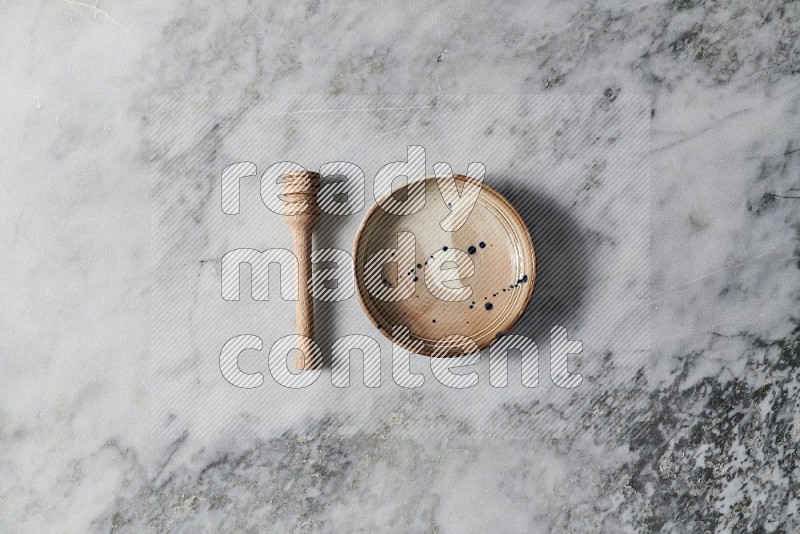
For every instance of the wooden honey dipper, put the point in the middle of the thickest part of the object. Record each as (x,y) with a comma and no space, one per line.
(300,190)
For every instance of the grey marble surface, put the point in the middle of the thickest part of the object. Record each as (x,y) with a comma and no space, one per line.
(700,435)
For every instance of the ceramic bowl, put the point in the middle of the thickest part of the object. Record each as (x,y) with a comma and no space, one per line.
(409,293)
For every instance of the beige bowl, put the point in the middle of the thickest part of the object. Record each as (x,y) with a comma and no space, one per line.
(495,239)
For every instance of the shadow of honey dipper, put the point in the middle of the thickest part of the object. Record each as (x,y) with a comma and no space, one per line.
(300,190)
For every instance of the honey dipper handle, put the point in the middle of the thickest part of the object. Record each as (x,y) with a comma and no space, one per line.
(304,311)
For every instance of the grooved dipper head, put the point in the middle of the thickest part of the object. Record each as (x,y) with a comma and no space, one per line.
(300,190)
